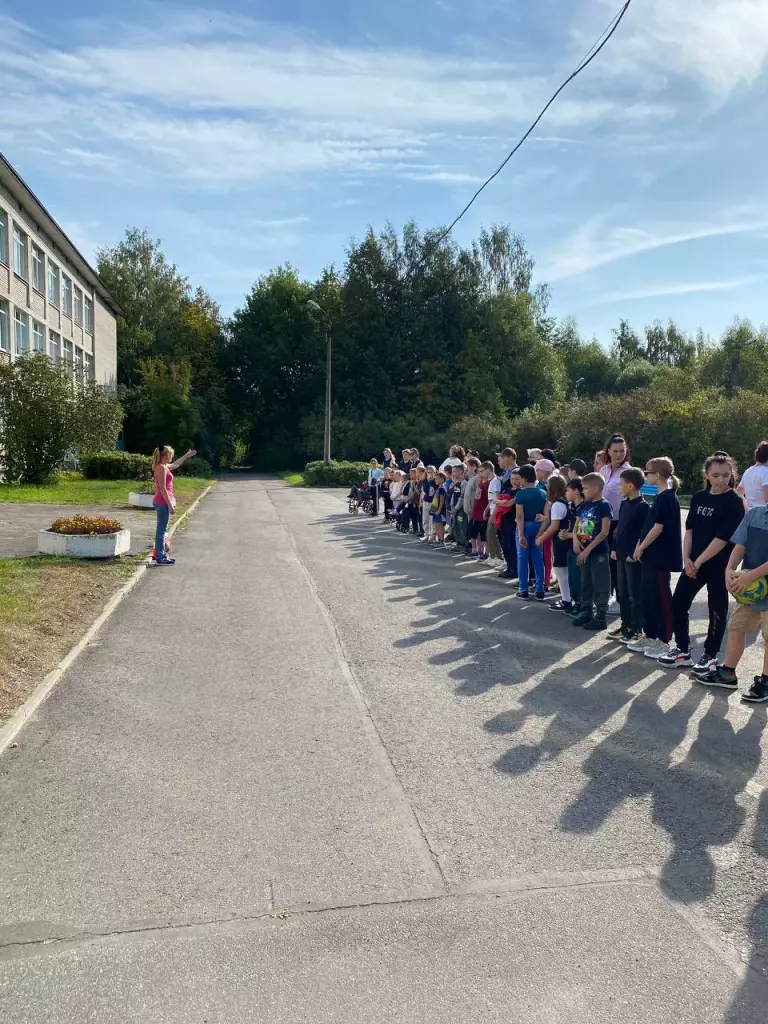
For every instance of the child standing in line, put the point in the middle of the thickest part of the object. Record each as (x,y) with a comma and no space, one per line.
(557,520)
(590,542)
(478,524)
(713,518)
(456,511)
(574,493)
(751,551)
(495,556)
(438,511)
(661,552)
(414,498)
(470,492)
(530,501)
(633,511)
(428,488)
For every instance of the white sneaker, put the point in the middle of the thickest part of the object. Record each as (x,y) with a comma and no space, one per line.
(613,607)
(640,646)
(656,649)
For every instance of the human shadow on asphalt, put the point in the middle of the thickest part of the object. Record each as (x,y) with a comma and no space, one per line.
(751,1003)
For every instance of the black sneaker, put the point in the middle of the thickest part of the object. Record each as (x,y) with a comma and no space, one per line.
(704,665)
(758,693)
(618,633)
(523,595)
(561,606)
(582,619)
(594,625)
(675,658)
(540,595)
(725,678)
(631,637)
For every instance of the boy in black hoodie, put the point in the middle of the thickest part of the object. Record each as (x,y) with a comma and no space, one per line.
(632,515)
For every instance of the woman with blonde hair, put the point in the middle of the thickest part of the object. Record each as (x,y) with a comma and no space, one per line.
(164,500)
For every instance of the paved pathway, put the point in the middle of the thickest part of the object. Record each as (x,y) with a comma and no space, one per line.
(19,525)
(317,773)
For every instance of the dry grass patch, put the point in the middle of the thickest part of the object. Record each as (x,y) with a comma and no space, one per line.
(46,605)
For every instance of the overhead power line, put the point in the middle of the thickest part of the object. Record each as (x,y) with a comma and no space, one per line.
(601,42)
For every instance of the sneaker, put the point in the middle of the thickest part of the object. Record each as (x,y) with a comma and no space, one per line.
(656,649)
(640,646)
(582,619)
(574,612)
(561,606)
(704,665)
(613,607)
(523,595)
(164,561)
(540,595)
(482,558)
(675,658)
(758,692)
(595,625)
(630,637)
(725,678)
(617,633)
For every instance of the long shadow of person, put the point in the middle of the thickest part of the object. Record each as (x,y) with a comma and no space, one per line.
(751,1003)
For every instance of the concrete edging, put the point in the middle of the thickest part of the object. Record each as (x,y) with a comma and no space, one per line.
(43,690)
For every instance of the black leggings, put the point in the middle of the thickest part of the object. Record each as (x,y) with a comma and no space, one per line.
(711,576)
(657,603)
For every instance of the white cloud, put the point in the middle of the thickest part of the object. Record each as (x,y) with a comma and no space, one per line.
(285,222)
(681,288)
(593,245)
(721,45)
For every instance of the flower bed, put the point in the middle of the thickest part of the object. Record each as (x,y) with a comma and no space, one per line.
(84,536)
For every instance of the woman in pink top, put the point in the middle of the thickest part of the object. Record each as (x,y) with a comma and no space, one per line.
(616,459)
(164,501)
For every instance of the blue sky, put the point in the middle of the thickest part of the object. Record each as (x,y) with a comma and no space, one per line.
(271,132)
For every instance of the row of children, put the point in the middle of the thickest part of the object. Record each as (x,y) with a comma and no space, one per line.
(537,519)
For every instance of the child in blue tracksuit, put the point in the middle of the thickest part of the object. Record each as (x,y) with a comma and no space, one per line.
(530,502)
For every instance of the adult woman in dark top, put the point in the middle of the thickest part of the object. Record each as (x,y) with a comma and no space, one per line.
(616,458)
(712,520)
(660,550)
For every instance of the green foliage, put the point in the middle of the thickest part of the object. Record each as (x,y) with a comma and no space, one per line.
(483,434)
(169,414)
(44,417)
(336,474)
(116,466)
(196,466)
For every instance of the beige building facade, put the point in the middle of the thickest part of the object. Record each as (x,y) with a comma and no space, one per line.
(51,299)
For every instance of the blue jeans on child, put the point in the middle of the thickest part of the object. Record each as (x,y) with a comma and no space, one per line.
(530,554)
(163,515)
(574,577)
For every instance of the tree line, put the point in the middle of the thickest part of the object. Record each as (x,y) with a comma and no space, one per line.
(432,341)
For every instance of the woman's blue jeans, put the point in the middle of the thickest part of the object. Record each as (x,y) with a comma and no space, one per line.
(530,554)
(163,515)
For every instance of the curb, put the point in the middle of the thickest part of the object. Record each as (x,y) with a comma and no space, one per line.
(43,690)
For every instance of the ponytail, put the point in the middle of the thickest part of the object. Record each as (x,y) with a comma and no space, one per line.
(665,467)
(674,483)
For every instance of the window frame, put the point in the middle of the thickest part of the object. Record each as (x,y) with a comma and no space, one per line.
(54,341)
(88,371)
(88,314)
(75,292)
(66,308)
(37,250)
(69,358)
(5,309)
(20,318)
(5,253)
(23,239)
(54,274)
(38,331)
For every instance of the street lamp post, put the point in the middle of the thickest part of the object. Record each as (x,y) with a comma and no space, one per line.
(328,327)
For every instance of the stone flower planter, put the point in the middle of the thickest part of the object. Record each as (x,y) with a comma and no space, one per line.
(139,500)
(82,545)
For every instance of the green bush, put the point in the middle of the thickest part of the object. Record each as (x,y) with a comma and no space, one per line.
(116,466)
(196,466)
(336,474)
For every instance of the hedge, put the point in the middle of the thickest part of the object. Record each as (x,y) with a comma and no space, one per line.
(196,466)
(335,474)
(116,466)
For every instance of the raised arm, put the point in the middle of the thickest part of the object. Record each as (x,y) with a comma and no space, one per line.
(180,462)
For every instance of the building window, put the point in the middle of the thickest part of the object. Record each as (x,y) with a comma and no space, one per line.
(53,283)
(20,253)
(3,237)
(78,307)
(38,337)
(68,358)
(38,269)
(21,330)
(88,366)
(78,363)
(55,341)
(5,330)
(88,316)
(66,295)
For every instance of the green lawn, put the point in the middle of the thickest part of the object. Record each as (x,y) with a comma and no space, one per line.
(73,489)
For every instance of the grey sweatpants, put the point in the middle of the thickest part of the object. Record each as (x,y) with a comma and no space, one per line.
(596,584)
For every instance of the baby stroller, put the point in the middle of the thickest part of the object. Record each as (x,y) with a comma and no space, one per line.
(360,499)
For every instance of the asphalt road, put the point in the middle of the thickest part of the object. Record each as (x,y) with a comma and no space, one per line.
(318,773)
